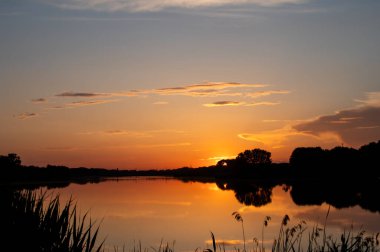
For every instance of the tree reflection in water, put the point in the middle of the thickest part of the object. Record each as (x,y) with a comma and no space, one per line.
(339,194)
(247,192)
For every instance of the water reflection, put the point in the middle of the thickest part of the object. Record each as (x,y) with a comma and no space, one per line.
(339,194)
(149,210)
(248,193)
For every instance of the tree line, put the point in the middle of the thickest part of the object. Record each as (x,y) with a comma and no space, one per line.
(311,162)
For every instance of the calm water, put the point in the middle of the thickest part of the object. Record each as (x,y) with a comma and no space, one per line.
(153,209)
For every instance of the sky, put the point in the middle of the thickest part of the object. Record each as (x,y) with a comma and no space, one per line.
(153,84)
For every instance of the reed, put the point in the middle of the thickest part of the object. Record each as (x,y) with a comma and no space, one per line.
(41,225)
(289,239)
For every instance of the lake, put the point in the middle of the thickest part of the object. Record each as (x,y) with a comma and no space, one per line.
(151,210)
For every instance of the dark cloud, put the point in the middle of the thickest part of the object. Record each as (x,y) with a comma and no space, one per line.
(237,103)
(26,115)
(223,103)
(354,126)
(39,100)
(80,94)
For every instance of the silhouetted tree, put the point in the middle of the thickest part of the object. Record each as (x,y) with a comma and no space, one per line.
(10,161)
(254,157)
(308,161)
(370,158)
(343,161)
(227,163)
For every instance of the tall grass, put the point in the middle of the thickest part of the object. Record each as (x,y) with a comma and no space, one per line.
(289,239)
(35,224)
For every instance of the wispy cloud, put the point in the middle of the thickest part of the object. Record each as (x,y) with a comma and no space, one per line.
(78,104)
(200,90)
(64,148)
(272,138)
(138,134)
(262,104)
(164,145)
(371,99)
(157,5)
(237,103)
(267,93)
(88,103)
(218,158)
(132,133)
(161,103)
(26,115)
(162,202)
(209,89)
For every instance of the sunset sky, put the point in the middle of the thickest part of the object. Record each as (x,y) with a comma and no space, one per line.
(171,83)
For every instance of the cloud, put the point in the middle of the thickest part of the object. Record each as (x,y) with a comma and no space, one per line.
(164,145)
(65,148)
(137,134)
(262,104)
(88,103)
(267,93)
(77,104)
(162,202)
(39,100)
(371,99)
(26,115)
(206,89)
(161,103)
(236,103)
(157,5)
(218,158)
(283,140)
(272,138)
(80,94)
(354,126)
(209,89)
(223,104)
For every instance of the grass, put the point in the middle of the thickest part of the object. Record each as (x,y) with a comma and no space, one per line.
(40,225)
